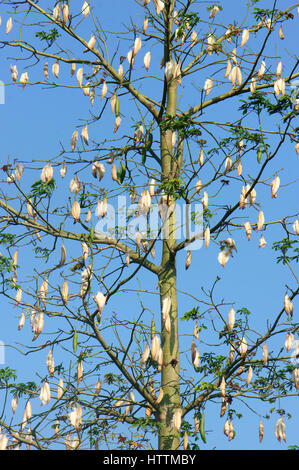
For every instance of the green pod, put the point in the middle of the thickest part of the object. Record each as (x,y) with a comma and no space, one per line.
(153,328)
(149,140)
(143,155)
(91,235)
(202,428)
(259,154)
(75,341)
(121,173)
(116,106)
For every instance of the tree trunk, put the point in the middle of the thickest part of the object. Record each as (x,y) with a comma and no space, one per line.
(169,436)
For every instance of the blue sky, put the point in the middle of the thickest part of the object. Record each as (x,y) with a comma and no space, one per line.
(38,121)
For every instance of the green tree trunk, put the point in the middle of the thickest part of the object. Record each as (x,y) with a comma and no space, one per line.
(169,436)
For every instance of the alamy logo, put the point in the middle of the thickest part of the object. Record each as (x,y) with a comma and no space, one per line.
(154,223)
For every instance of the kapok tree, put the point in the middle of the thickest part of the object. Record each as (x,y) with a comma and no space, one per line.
(188,117)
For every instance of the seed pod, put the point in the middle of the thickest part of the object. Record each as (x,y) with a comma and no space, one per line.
(261,70)
(296,377)
(104,90)
(84,134)
(147,60)
(14,403)
(296,226)
(28,411)
(249,376)
(86,89)
(45,394)
(297,148)
(231,432)
(196,359)
(47,173)
(226,428)
(188,259)
(38,325)
(56,12)
(228,69)
(65,12)
(280,430)
(63,255)
(222,387)
(100,300)
(177,419)
(238,76)
(137,46)
(214,11)
(196,331)
(155,347)
(21,322)
(280,32)
(208,86)
(210,43)
(193,39)
(252,197)
(80,76)
(160,359)
(97,388)
(50,363)
(117,123)
(274,186)
(233,75)
(228,164)
(253,85)
(288,305)
(9,25)
(245,37)
(65,292)
(159,5)
(75,417)
(85,9)
(92,95)
(223,257)
(247,228)
(91,43)
(79,372)
(14,73)
(262,242)
(18,297)
(74,139)
(265,353)
(24,79)
(231,320)
(145,354)
(76,211)
(55,69)
(44,291)
(145,24)
(121,70)
(261,221)
(243,347)
(207,236)
(289,342)
(261,430)
(205,201)
(224,404)
(185,442)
